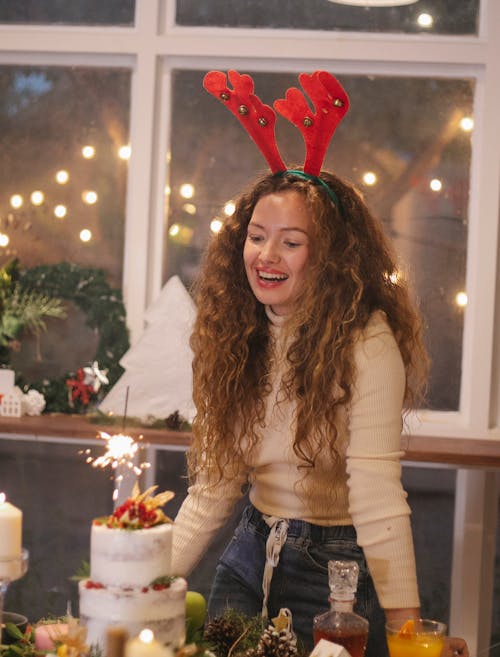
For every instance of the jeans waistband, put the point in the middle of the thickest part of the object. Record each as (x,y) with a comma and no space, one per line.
(300,528)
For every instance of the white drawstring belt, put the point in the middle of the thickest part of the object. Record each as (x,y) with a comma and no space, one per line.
(275,541)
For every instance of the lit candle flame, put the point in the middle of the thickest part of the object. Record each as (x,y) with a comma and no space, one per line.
(2,498)
(146,636)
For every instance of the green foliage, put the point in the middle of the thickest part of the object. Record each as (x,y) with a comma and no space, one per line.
(83,571)
(88,289)
(232,632)
(174,422)
(23,309)
(23,643)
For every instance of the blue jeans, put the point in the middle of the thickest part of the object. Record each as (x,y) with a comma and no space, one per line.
(300,580)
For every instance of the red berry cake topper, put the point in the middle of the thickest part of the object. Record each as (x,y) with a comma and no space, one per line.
(327,95)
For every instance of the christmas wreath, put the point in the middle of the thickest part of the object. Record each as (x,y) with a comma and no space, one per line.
(104,313)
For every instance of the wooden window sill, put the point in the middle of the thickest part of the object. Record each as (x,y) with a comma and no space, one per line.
(426,449)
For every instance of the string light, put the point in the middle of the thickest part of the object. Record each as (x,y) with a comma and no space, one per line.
(4,240)
(369,178)
(467,123)
(215,225)
(189,208)
(181,234)
(461,299)
(89,196)
(60,211)
(124,152)
(37,197)
(436,185)
(187,190)
(393,277)
(16,201)
(425,20)
(88,152)
(229,209)
(85,235)
(62,177)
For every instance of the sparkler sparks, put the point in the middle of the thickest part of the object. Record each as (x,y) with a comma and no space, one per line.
(121,452)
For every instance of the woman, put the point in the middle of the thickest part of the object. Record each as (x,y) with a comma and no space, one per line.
(306,346)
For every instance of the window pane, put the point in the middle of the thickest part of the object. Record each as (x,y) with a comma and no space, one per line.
(76,12)
(62,192)
(56,527)
(431,496)
(435,16)
(60,169)
(407,132)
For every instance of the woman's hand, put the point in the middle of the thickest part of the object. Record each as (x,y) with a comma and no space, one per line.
(455,646)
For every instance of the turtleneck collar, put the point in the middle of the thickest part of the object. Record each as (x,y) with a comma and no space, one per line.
(276,320)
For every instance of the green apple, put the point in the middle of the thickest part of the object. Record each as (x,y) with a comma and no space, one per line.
(196,609)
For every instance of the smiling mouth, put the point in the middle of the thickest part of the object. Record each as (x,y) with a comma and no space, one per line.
(264,276)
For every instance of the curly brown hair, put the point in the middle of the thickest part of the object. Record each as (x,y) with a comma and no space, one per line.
(348,278)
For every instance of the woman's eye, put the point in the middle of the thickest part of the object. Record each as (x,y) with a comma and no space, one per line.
(254,238)
(292,245)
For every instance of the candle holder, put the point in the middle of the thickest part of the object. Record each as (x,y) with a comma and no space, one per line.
(11,568)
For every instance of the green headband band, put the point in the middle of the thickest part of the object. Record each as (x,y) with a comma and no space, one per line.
(317,181)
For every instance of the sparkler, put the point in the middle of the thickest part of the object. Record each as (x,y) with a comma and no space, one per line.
(121,451)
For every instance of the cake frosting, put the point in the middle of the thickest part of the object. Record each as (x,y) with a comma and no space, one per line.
(130,558)
(130,582)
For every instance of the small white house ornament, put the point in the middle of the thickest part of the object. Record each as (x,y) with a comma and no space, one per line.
(11,403)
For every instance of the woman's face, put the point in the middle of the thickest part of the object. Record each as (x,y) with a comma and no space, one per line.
(276,250)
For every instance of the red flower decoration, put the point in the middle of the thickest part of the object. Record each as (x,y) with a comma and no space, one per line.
(80,390)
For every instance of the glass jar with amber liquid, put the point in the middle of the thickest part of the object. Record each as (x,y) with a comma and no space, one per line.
(341,625)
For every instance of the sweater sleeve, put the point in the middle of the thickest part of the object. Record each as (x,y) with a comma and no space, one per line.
(377,501)
(202,514)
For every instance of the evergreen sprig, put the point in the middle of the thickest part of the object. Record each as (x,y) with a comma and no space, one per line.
(23,309)
(89,290)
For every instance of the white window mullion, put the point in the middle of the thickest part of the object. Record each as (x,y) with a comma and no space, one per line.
(482,253)
(303,46)
(160,189)
(139,188)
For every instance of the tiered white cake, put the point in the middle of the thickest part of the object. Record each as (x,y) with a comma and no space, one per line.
(130,582)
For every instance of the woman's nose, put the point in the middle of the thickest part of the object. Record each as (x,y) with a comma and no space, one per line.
(270,252)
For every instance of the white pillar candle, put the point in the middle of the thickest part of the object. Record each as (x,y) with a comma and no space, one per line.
(11,519)
(145,645)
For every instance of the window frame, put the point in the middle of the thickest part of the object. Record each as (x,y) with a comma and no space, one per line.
(155,46)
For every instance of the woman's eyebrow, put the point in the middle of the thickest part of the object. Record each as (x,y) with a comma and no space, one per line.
(285,228)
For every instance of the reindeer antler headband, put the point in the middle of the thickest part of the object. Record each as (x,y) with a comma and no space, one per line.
(326,94)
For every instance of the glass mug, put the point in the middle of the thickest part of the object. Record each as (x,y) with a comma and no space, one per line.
(417,637)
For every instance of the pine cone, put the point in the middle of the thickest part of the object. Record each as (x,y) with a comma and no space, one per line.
(221,633)
(276,644)
(251,652)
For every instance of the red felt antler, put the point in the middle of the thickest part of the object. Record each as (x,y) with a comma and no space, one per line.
(326,93)
(257,118)
(330,102)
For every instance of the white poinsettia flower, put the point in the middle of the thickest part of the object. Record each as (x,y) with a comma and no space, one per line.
(94,376)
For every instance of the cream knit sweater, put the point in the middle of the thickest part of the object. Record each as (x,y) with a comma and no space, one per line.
(369,494)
